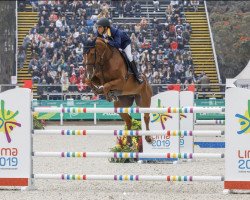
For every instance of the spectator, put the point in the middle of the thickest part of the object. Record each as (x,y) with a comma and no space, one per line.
(174,3)
(128,8)
(58,44)
(64,81)
(154,44)
(178,69)
(42,24)
(169,10)
(73,82)
(186,4)
(121,9)
(49,80)
(53,17)
(21,5)
(81,87)
(185,85)
(137,28)
(134,41)
(55,89)
(144,23)
(186,37)
(95,97)
(174,45)
(145,57)
(104,14)
(59,22)
(137,9)
(21,56)
(205,81)
(33,64)
(188,27)
(105,6)
(26,42)
(195,4)
(168,75)
(36,75)
(156,5)
(189,74)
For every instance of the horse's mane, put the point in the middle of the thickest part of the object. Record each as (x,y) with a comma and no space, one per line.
(100,41)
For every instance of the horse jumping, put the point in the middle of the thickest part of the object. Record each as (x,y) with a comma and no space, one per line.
(108,74)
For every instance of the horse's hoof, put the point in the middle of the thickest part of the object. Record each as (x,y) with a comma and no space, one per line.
(108,99)
(115,98)
(100,90)
(149,139)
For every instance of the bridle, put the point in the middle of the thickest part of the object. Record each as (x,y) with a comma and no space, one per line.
(94,64)
(100,66)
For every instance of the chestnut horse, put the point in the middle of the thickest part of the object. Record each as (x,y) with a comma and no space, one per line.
(107,74)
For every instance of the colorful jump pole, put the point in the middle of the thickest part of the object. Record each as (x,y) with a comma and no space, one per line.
(200,133)
(130,110)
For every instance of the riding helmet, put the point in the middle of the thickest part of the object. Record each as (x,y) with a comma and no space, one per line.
(103,22)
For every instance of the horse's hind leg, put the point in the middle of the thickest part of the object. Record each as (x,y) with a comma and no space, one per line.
(144,100)
(125,101)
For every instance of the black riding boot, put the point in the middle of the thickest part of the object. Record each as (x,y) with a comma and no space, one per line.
(135,72)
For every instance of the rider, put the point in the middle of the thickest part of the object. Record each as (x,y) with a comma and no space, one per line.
(117,39)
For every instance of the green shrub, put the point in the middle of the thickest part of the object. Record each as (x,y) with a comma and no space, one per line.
(128,144)
(37,123)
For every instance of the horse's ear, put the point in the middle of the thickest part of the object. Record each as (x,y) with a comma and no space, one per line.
(88,45)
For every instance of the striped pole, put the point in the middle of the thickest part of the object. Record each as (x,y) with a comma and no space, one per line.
(130,110)
(127,155)
(128,177)
(210,122)
(200,133)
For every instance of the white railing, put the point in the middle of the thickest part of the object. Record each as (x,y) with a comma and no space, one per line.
(212,41)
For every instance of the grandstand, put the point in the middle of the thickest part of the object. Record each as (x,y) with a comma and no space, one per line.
(172,42)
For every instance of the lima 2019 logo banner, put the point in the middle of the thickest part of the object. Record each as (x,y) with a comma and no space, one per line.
(163,117)
(7,121)
(244,121)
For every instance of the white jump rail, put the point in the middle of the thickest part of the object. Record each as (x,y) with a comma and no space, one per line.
(129,177)
(200,133)
(130,110)
(127,155)
(210,122)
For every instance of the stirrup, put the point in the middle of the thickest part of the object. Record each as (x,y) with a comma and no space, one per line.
(139,79)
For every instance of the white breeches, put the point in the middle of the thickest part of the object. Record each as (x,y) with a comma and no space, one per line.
(127,50)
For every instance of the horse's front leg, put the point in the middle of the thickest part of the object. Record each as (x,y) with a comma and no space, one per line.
(97,90)
(95,84)
(116,84)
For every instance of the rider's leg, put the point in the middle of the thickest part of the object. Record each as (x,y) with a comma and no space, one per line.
(134,69)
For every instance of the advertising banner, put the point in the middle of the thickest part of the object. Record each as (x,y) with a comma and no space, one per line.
(163,121)
(15,137)
(210,103)
(79,116)
(237,158)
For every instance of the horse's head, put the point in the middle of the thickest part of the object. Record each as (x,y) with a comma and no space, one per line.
(90,59)
(97,53)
